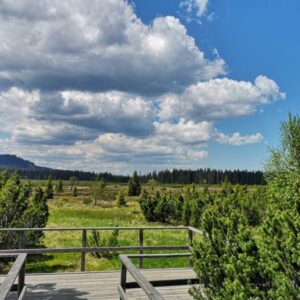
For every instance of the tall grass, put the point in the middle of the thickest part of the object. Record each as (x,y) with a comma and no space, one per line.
(68,211)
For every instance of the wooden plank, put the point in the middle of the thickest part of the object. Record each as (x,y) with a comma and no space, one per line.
(141,239)
(92,249)
(10,278)
(158,255)
(195,230)
(84,244)
(98,228)
(150,291)
(122,294)
(101,285)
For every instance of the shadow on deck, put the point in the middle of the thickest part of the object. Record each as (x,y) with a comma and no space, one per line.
(99,285)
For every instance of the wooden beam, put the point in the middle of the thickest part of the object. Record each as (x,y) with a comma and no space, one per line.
(10,278)
(93,249)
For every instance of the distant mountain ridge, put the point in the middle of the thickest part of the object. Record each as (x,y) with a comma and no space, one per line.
(10,161)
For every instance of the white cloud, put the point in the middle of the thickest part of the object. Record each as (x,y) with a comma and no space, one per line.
(199,5)
(236,139)
(36,117)
(219,99)
(88,85)
(97,45)
(186,131)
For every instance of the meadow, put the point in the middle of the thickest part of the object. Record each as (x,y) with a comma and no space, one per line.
(69,211)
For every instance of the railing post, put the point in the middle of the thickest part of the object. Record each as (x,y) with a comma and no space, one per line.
(190,234)
(21,280)
(21,239)
(83,253)
(123,278)
(141,238)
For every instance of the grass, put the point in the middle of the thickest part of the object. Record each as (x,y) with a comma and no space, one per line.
(68,211)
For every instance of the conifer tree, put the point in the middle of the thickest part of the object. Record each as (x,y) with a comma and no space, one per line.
(49,189)
(281,227)
(60,186)
(121,201)
(134,187)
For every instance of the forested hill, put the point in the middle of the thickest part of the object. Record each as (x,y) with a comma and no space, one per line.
(15,162)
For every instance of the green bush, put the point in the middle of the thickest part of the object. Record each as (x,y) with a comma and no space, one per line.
(87,201)
(20,208)
(95,240)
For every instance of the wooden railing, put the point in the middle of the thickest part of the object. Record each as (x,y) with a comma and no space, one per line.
(17,270)
(141,282)
(84,249)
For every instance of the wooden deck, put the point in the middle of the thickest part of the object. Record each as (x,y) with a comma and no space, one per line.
(100,285)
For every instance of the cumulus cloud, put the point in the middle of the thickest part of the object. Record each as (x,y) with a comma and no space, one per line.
(219,99)
(237,139)
(186,132)
(99,45)
(90,86)
(32,116)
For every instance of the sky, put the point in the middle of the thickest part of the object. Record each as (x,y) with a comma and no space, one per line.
(117,86)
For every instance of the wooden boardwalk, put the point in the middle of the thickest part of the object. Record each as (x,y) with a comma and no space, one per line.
(100,285)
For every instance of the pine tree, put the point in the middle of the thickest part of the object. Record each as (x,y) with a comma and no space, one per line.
(49,189)
(36,216)
(121,201)
(134,187)
(19,209)
(60,187)
(281,227)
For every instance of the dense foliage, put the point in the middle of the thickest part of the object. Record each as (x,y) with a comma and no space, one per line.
(187,207)
(20,207)
(250,247)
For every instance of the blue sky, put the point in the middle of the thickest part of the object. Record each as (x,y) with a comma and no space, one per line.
(117,86)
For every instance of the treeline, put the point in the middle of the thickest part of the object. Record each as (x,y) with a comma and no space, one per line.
(175,176)
(43,174)
(209,176)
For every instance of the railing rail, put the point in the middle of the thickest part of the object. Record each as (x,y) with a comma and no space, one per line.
(84,249)
(141,282)
(17,270)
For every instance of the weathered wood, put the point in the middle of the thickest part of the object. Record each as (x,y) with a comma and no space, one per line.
(190,236)
(21,240)
(83,253)
(10,278)
(158,255)
(21,279)
(141,280)
(101,285)
(141,238)
(122,294)
(23,293)
(123,278)
(165,282)
(92,249)
(195,230)
(97,228)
